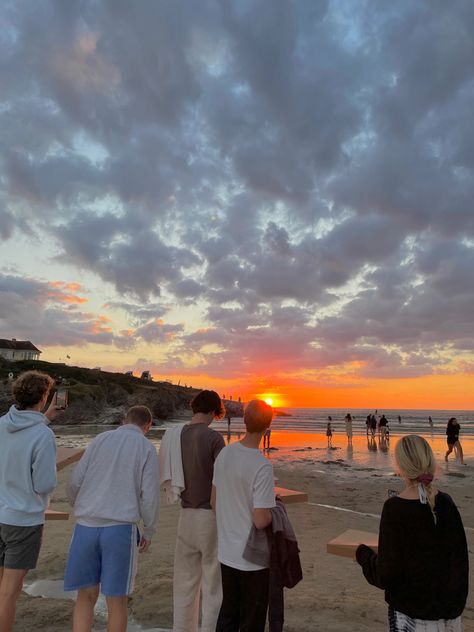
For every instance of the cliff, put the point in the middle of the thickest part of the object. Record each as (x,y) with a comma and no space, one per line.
(102,397)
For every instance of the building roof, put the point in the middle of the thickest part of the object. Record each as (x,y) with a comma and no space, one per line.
(20,345)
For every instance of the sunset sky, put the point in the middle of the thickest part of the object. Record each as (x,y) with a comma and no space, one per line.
(266,197)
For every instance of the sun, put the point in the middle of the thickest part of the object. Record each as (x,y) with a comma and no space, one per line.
(269,401)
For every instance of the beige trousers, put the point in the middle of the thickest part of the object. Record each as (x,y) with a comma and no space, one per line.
(196,570)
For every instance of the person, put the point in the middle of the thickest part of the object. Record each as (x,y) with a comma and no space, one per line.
(329,434)
(242,495)
(228,427)
(383,426)
(452,431)
(27,478)
(430,421)
(112,488)
(367,423)
(422,560)
(399,419)
(348,420)
(266,438)
(196,567)
(373,425)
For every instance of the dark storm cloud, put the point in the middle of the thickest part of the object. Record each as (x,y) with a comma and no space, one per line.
(301,172)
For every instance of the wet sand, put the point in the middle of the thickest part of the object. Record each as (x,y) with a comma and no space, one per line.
(333,595)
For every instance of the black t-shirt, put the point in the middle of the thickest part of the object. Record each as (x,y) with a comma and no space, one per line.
(422,566)
(453,432)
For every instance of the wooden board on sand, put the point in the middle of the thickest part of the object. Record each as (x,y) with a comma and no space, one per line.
(289,496)
(66,456)
(347,543)
(56,515)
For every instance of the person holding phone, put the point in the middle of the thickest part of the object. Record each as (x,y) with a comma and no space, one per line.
(27,478)
(422,560)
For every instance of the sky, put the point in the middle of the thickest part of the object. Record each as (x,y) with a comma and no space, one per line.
(266,197)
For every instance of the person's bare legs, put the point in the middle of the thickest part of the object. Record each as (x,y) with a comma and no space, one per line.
(11,583)
(459,451)
(84,609)
(118,614)
(450,449)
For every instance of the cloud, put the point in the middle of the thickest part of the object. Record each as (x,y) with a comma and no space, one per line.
(296,177)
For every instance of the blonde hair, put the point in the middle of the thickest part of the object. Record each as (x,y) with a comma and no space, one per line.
(415,458)
(257,416)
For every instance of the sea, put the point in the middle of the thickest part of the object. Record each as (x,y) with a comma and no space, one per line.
(314,420)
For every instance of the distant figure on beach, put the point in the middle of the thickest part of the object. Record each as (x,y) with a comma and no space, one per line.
(422,560)
(197,573)
(243,495)
(399,419)
(373,425)
(266,438)
(114,486)
(329,434)
(348,420)
(383,426)
(27,477)
(228,427)
(367,423)
(452,431)
(430,421)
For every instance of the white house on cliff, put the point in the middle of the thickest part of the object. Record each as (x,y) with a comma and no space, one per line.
(18,350)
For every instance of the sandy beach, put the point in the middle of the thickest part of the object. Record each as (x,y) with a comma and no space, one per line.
(333,595)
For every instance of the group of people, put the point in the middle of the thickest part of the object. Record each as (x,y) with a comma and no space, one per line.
(227,500)
(232,532)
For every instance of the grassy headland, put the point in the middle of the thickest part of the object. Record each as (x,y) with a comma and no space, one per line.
(102,397)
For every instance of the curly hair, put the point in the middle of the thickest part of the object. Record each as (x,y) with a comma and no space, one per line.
(30,387)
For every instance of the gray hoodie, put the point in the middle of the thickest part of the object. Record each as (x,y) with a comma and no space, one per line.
(27,467)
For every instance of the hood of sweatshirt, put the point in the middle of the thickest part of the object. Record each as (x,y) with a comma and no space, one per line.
(17,420)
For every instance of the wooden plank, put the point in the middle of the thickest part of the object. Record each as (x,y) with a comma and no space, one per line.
(66,456)
(290,496)
(56,515)
(346,544)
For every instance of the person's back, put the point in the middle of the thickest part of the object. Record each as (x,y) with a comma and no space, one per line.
(422,559)
(200,446)
(26,478)
(425,569)
(114,486)
(239,472)
(243,494)
(197,575)
(108,481)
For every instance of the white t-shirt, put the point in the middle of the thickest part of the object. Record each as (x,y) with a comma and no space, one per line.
(244,481)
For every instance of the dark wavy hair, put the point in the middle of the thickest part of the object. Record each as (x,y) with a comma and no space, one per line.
(29,388)
(208,402)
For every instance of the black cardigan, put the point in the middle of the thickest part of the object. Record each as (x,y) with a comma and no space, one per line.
(423,567)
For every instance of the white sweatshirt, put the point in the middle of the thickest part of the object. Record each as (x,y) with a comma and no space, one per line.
(117,481)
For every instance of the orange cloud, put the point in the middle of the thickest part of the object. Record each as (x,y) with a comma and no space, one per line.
(62,292)
(100,327)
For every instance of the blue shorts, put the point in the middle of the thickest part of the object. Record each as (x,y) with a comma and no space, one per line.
(105,556)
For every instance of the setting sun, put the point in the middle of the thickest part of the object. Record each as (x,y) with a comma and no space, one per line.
(269,401)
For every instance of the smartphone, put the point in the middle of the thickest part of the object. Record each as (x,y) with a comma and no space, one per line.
(61,397)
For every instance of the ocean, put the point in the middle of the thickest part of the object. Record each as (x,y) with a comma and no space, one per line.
(412,420)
